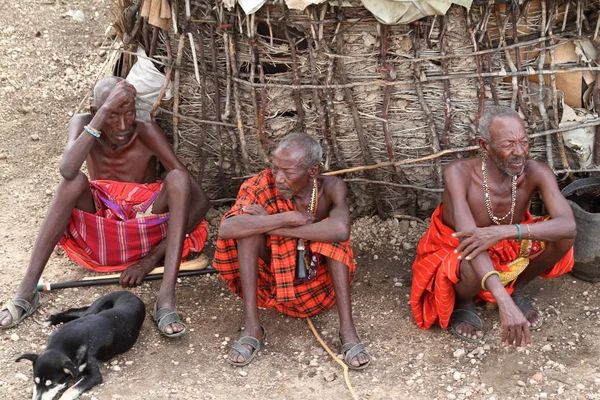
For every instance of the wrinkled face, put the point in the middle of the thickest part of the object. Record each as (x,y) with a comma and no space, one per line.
(291,176)
(119,126)
(509,145)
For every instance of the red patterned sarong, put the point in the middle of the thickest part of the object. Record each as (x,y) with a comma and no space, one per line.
(122,231)
(277,287)
(436,269)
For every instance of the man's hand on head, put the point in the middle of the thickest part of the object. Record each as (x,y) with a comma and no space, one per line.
(123,92)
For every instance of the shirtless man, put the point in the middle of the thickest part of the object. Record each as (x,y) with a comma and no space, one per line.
(483,242)
(258,240)
(119,152)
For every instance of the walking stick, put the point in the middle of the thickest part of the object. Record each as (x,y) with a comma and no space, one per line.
(194,267)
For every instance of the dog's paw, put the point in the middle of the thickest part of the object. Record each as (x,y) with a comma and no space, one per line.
(72,393)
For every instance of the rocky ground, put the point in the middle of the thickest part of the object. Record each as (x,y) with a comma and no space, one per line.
(49,58)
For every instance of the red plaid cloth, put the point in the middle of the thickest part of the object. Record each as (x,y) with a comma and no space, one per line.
(122,231)
(277,287)
(436,270)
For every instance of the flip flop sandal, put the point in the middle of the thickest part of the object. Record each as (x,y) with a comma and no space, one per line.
(525,306)
(351,350)
(28,309)
(469,317)
(164,317)
(238,345)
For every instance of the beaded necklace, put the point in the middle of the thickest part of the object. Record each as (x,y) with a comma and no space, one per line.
(302,271)
(488,198)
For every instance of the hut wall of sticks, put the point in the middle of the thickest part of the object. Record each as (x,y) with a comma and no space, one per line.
(406,97)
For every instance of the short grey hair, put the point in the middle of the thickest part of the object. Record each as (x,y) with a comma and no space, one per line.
(103,88)
(313,153)
(488,116)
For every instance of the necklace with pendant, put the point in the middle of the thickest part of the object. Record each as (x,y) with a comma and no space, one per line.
(488,197)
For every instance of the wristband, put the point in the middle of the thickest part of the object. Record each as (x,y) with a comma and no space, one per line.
(528,232)
(520,235)
(91,131)
(486,276)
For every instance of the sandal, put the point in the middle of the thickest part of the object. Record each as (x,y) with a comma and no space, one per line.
(351,350)
(166,316)
(28,309)
(238,345)
(469,317)
(525,306)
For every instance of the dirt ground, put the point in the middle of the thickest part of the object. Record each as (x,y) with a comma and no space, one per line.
(48,61)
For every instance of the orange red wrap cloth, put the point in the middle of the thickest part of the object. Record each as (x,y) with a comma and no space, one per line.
(436,269)
(277,287)
(122,231)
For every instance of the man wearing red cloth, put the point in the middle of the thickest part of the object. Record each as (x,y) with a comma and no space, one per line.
(483,243)
(277,213)
(123,218)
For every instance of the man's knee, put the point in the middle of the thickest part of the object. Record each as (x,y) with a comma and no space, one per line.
(560,248)
(466,275)
(74,187)
(255,245)
(179,180)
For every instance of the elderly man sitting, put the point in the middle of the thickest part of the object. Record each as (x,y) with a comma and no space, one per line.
(123,218)
(483,244)
(277,213)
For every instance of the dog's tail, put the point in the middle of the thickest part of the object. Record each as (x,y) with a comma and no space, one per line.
(65,316)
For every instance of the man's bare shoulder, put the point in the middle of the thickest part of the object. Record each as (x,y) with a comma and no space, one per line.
(80,119)
(539,173)
(148,128)
(333,183)
(461,166)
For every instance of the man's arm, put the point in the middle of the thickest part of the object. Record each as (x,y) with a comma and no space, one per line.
(561,224)
(336,228)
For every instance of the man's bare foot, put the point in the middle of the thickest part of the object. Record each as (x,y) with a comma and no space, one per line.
(349,335)
(465,323)
(254,331)
(531,313)
(168,302)
(6,319)
(134,274)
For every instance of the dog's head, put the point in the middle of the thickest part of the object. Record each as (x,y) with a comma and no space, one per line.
(52,371)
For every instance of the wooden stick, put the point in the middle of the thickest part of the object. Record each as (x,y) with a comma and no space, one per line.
(442,153)
(446,94)
(176,93)
(238,104)
(163,90)
(541,106)
(433,135)
(401,82)
(394,184)
(191,265)
(479,82)
(317,102)
(296,79)
(364,146)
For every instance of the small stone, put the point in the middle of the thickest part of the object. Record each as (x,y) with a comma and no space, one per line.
(451,396)
(521,383)
(410,382)
(78,16)
(14,337)
(3,156)
(314,362)
(449,388)
(459,353)
(547,347)
(543,395)
(537,377)
(242,372)
(580,386)
(129,362)
(35,137)
(597,381)
(456,376)
(398,284)
(329,376)
(115,368)
(375,257)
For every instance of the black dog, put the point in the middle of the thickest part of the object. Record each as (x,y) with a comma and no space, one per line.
(108,327)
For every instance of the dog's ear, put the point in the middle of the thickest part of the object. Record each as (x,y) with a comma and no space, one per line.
(30,357)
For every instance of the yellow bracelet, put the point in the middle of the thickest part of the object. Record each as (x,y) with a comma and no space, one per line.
(486,276)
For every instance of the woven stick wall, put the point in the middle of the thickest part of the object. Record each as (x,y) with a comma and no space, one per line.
(408,95)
